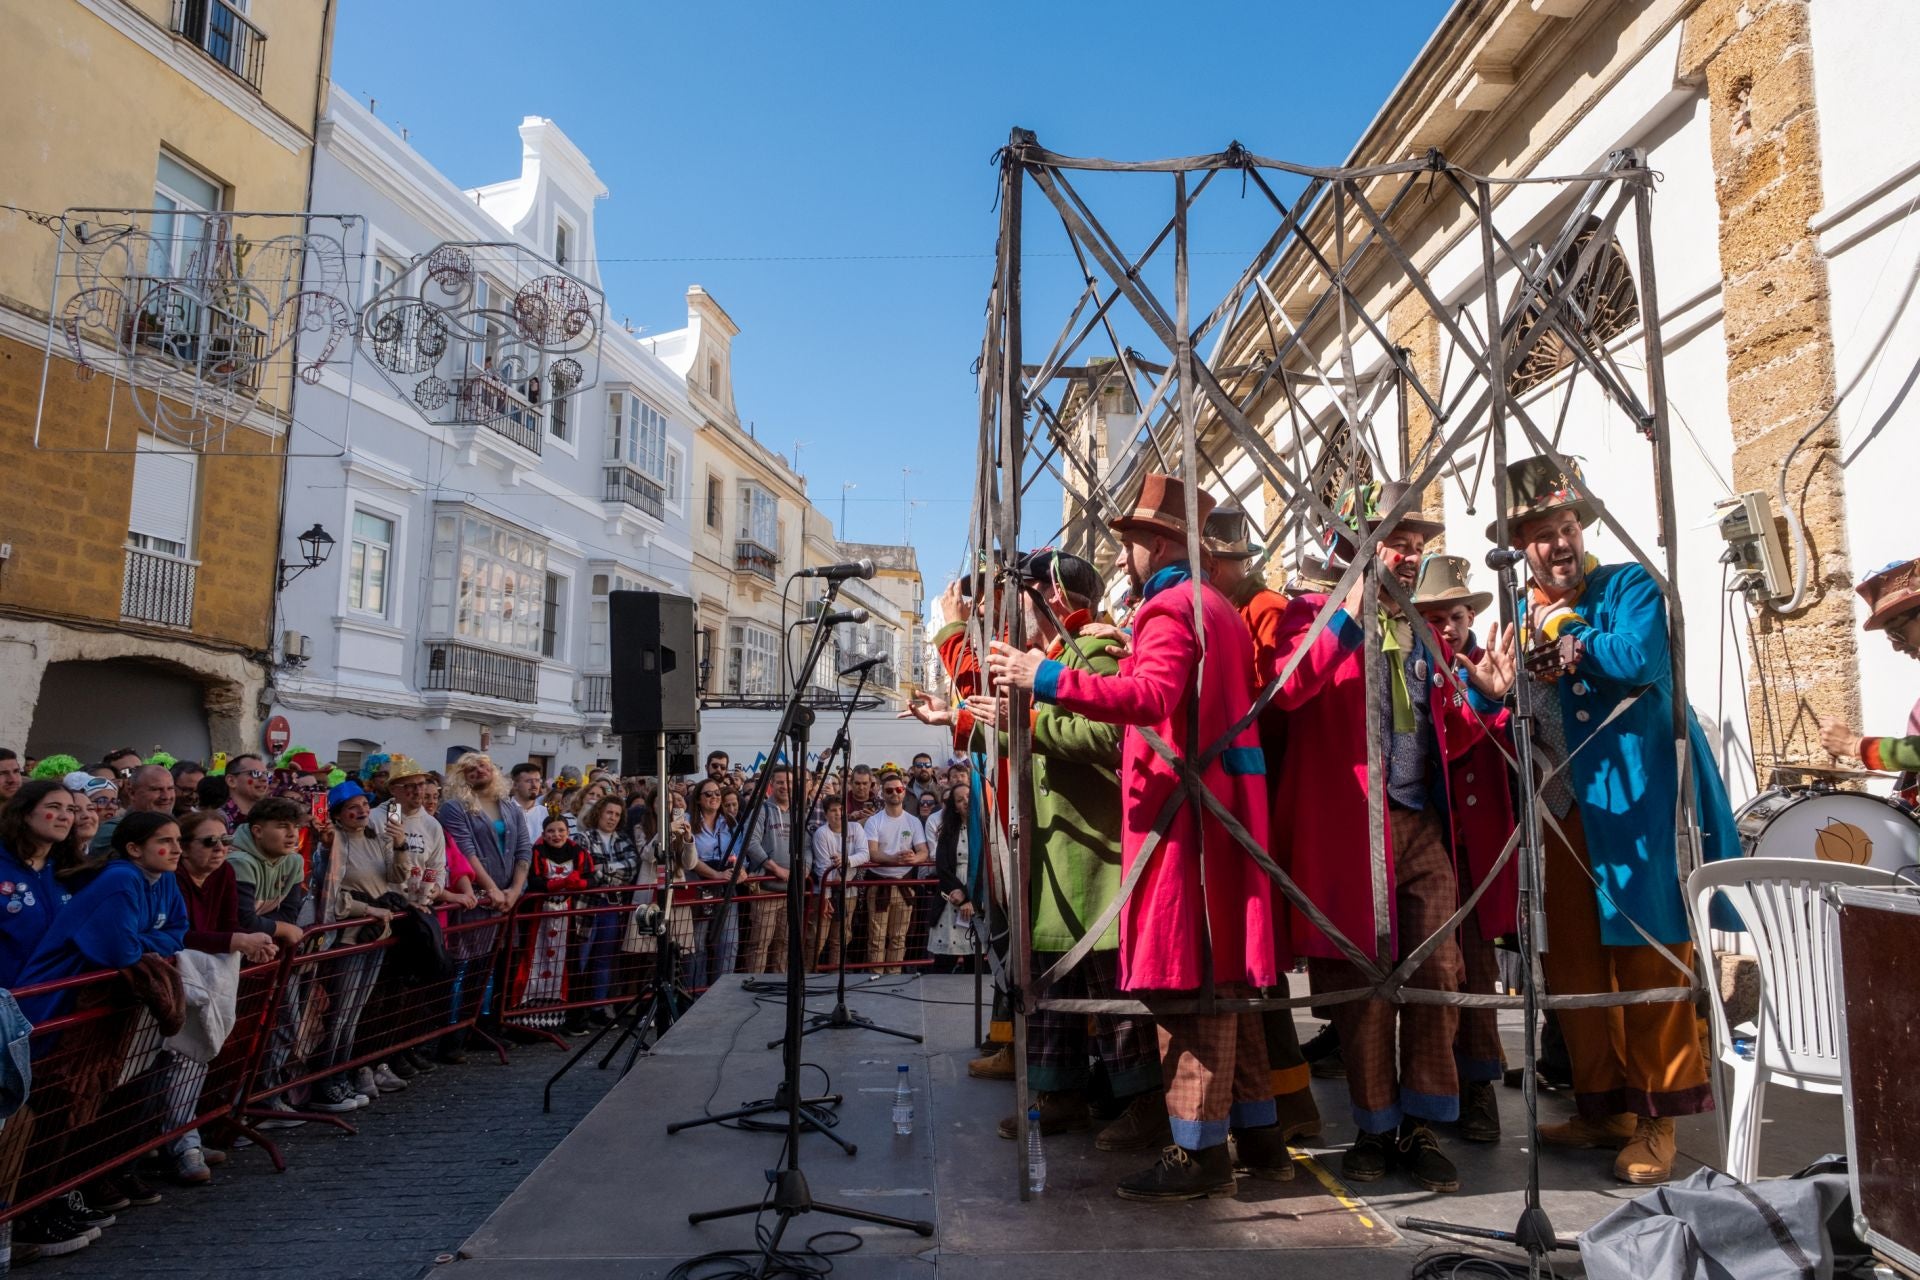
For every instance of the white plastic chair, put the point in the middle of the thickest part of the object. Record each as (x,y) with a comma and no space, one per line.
(1796,1040)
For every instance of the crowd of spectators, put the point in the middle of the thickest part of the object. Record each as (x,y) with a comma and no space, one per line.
(147,859)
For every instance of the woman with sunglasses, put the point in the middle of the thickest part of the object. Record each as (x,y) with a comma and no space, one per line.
(212,894)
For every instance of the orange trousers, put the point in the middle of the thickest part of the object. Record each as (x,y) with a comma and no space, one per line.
(1642,1059)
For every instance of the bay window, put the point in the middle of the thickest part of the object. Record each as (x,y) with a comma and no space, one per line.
(489,581)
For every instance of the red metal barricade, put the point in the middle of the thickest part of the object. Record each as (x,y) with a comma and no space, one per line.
(107,1088)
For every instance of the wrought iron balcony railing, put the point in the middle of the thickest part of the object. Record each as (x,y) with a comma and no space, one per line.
(215,342)
(636,489)
(158,588)
(593,695)
(750,557)
(490,399)
(454,666)
(223,33)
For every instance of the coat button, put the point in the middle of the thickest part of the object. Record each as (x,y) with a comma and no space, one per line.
(1469,777)
(1580,688)
(1582,716)
(1472,800)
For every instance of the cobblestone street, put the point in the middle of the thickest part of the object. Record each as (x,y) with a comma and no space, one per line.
(426,1168)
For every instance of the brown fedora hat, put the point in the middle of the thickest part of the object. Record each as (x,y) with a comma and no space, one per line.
(1890,592)
(1443,580)
(1162,507)
(1229,535)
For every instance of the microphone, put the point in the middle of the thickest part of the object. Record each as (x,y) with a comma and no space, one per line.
(861,568)
(1505,557)
(865,664)
(851,615)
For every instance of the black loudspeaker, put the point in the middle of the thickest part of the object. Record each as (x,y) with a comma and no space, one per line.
(655,670)
(637,758)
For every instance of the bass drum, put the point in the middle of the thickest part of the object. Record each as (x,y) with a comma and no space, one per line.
(1829,826)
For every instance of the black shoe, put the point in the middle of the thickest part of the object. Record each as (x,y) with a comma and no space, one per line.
(105,1193)
(333,1096)
(1479,1112)
(49,1234)
(135,1188)
(1421,1157)
(401,1066)
(597,1018)
(1181,1174)
(1262,1153)
(450,1052)
(1369,1158)
(419,1060)
(575,1025)
(86,1215)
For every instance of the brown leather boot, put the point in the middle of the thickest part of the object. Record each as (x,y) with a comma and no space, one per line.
(1064,1112)
(997,1065)
(1583,1134)
(1141,1127)
(1648,1156)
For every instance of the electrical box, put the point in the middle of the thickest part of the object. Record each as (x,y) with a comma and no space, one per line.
(1759,562)
(295,648)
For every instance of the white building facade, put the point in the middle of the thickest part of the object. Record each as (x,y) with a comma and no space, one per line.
(465,605)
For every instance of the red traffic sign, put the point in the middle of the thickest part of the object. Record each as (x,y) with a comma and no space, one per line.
(279,734)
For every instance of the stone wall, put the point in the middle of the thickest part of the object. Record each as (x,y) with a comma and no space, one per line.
(1755,59)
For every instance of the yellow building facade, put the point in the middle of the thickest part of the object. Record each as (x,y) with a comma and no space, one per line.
(137,588)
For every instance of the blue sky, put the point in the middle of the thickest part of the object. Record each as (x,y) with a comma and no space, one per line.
(823,169)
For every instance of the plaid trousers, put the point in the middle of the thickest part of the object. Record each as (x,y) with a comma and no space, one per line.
(1427,1084)
(1058,1042)
(1215,1065)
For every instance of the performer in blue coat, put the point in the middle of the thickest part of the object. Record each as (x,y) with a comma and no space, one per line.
(1598,636)
(131,907)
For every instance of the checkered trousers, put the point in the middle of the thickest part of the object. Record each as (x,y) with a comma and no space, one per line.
(1216,1071)
(1058,1043)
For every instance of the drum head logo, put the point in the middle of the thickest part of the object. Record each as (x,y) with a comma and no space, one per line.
(1843,842)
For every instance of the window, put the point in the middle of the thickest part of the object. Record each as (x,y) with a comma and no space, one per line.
(598,653)
(385,271)
(557,419)
(489,581)
(480,354)
(713,377)
(1605,296)
(673,478)
(562,242)
(637,434)
(368,560)
(759,517)
(181,239)
(753,659)
(716,499)
(553,606)
(165,481)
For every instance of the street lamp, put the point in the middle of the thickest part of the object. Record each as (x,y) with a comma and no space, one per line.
(316,544)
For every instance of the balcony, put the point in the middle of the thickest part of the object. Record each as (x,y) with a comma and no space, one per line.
(750,557)
(221,32)
(158,588)
(885,677)
(636,489)
(216,343)
(454,666)
(593,695)
(499,406)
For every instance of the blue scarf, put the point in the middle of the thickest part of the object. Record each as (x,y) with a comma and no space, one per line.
(1171,576)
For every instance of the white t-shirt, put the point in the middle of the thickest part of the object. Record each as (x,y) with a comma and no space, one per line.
(894,836)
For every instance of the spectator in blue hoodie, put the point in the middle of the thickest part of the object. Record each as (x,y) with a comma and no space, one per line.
(130,908)
(36,838)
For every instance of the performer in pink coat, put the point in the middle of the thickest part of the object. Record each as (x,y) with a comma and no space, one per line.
(1215,1065)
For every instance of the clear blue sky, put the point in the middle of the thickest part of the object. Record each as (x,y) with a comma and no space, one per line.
(731,131)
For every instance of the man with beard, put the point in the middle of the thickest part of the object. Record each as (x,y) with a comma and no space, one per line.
(1230,551)
(1399,1085)
(1598,635)
(1201,899)
(1892,596)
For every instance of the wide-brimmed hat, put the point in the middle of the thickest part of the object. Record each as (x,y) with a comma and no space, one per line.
(1229,535)
(403,769)
(1374,500)
(1443,580)
(1890,592)
(1162,507)
(1536,486)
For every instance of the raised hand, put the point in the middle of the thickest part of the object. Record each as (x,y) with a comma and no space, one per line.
(927,709)
(1014,667)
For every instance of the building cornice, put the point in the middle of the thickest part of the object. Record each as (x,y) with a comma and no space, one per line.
(182,57)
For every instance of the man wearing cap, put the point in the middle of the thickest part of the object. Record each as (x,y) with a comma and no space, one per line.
(1892,596)
(1229,550)
(1076,876)
(1215,1064)
(1479,784)
(1401,1085)
(1598,636)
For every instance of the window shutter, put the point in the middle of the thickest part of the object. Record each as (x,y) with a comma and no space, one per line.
(163,492)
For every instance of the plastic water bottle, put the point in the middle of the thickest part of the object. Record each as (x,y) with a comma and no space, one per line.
(1036,1158)
(903,1103)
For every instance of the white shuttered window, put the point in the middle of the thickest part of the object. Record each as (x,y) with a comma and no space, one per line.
(165,483)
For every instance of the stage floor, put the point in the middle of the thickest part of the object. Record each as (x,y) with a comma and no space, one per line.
(613,1198)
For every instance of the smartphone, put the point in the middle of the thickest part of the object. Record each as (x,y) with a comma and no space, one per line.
(320,809)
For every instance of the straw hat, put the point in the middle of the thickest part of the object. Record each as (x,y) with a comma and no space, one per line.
(1162,507)
(403,769)
(1443,580)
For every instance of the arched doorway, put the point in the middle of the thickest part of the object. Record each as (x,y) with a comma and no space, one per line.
(89,707)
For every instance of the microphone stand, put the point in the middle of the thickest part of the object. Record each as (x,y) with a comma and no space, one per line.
(791,1196)
(1534,1231)
(842,1018)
